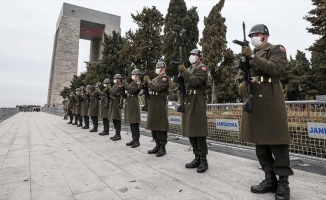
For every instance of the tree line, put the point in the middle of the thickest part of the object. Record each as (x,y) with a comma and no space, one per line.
(159,38)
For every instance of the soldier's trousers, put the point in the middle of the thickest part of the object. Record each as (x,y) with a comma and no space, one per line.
(80,119)
(76,118)
(71,118)
(117,125)
(279,164)
(199,146)
(134,128)
(65,115)
(95,121)
(106,124)
(86,120)
(160,137)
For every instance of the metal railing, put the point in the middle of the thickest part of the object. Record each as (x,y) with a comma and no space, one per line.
(5,113)
(300,114)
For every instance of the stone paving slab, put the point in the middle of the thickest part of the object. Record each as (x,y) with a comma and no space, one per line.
(42,157)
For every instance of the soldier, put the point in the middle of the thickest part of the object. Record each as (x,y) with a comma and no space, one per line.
(85,105)
(74,109)
(70,107)
(194,120)
(103,111)
(79,107)
(157,118)
(65,107)
(132,110)
(114,111)
(93,107)
(267,125)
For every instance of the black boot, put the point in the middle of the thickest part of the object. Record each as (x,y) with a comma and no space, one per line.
(117,137)
(79,125)
(203,165)
(75,123)
(283,189)
(113,136)
(93,130)
(85,127)
(267,185)
(155,150)
(69,122)
(130,143)
(194,163)
(161,152)
(135,144)
(103,133)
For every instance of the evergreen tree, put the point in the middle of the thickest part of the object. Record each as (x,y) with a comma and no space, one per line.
(65,92)
(214,45)
(300,84)
(144,46)
(111,62)
(318,64)
(317,18)
(180,30)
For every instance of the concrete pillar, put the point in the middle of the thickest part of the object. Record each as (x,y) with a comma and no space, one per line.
(64,58)
(95,51)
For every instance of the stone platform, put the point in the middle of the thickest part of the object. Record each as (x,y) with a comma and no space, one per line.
(42,157)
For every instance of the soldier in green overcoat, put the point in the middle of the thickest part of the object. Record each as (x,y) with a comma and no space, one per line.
(65,107)
(74,108)
(114,110)
(104,106)
(194,120)
(79,107)
(132,110)
(84,107)
(157,117)
(93,107)
(266,125)
(70,107)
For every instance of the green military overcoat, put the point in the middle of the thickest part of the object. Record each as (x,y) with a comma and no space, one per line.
(157,116)
(74,105)
(93,104)
(194,120)
(79,104)
(114,111)
(267,124)
(132,110)
(103,110)
(70,106)
(84,106)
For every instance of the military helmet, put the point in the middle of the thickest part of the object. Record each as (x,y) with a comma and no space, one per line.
(82,88)
(117,76)
(106,81)
(88,87)
(259,28)
(71,93)
(77,89)
(97,84)
(197,52)
(160,64)
(135,72)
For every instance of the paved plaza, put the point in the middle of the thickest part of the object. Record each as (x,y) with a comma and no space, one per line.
(42,157)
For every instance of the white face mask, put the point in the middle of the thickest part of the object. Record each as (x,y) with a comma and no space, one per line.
(114,81)
(104,85)
(133,77)
(158,70)
(256,42)
(192,59)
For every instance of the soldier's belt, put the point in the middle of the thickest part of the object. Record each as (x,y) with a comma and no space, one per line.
(157,93)
(194,92)
(264,79)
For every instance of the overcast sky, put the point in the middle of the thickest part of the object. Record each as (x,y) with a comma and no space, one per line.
(28,28)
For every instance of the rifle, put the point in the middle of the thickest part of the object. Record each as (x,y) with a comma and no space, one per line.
(243,64)
(88,99)
(181,83)
(122,93)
